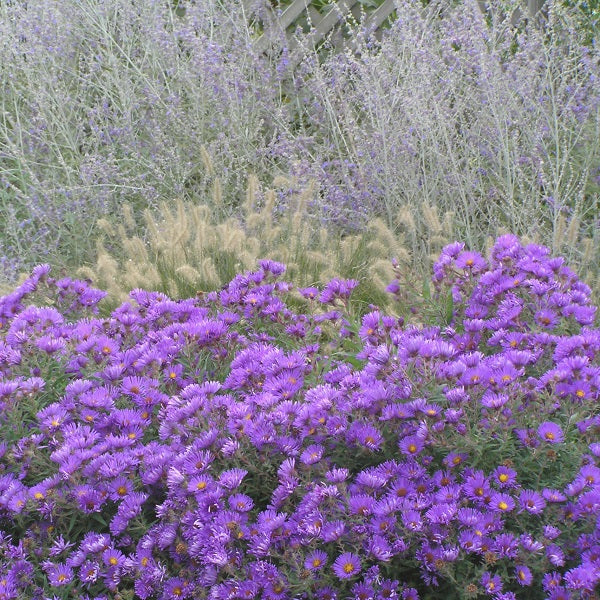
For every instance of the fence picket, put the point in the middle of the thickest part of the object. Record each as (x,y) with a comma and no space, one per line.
(323,25)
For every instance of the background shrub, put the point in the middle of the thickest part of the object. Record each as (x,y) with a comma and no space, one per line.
(110,104)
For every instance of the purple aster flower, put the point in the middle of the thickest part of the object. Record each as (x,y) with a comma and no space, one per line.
(441,513)
(309,292)
(200,484)
(58,574)
(591,474)
(232,478)
(454,459)
(470,541)
(337,288)
(53,416)
(240,502)
(546,318)
(271,266)
(506,545)
(312,454)
(551,581)
(470,261)
(476,486)
(555,555)
(363,591)
(412,520)
(595,448)
(89,571)
(326,593)
(332,531)
(532,502)
(583,577)
(176,588)
(551,532)
(89,499)
(589,502)
(493,399)
(315,560)
(505,477)
(346,565)
(380,549)
(523,575)
(469,516)
(411,445)
(530,544)
(113,558)
(584,315)
(501,502)
(491,583)
(550,432)
(361,504)
(368,436)
(553,495)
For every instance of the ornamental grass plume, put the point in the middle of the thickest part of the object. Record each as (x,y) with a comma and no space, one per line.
(236,444)
(186,248)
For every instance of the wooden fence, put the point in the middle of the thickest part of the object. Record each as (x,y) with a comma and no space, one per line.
(324,24)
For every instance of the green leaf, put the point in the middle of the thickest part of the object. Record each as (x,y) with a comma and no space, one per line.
(426,289)
(449,308)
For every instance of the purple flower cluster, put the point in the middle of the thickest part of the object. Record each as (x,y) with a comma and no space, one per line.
(229,446)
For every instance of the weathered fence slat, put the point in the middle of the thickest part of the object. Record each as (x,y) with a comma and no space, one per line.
(380,14)
(292,12)
(323,25)
(329,20)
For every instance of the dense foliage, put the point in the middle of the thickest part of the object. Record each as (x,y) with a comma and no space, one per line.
(263,441)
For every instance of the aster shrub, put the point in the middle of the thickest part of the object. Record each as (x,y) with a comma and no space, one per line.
(266,441)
